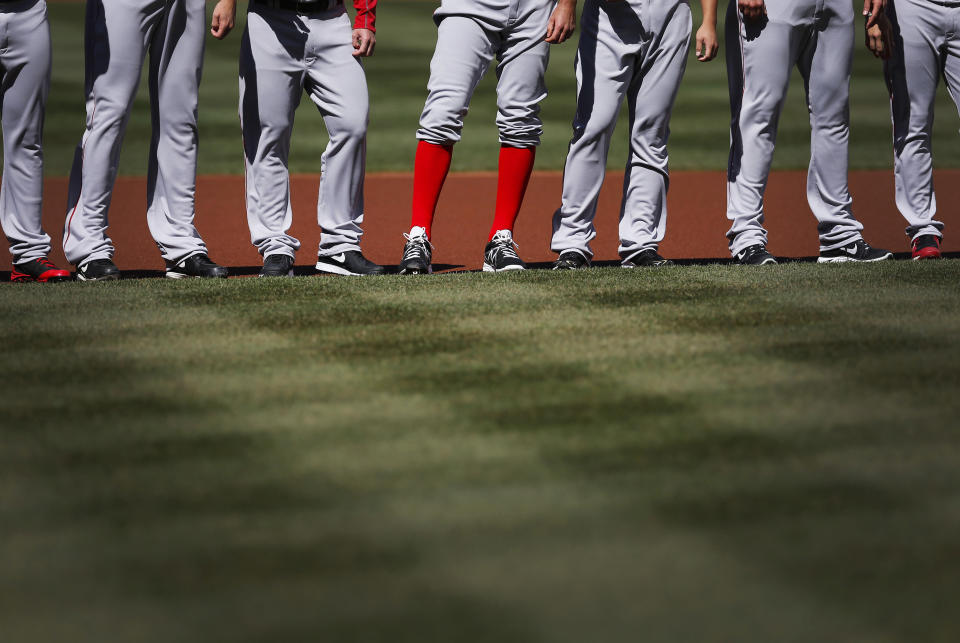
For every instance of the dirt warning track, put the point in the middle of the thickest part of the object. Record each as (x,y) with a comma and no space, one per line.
(696,227)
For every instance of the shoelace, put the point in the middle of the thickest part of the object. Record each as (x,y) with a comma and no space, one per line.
(46,263)
(506,246)
(416,247)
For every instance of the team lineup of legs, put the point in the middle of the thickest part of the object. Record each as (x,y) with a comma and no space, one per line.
(633,50)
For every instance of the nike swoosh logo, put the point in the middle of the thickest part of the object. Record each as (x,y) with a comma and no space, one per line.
(340,258)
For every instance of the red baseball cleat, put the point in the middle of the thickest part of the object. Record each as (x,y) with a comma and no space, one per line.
(926,246)
(41,270)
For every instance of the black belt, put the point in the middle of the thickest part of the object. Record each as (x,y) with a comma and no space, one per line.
(297,6)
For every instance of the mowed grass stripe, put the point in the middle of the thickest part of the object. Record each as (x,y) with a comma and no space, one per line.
(697,453)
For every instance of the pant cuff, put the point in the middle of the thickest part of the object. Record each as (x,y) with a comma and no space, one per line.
(833,245)
(929,230)
(183,257)
(744,240)
(93,257)
(326,250)
(628,253)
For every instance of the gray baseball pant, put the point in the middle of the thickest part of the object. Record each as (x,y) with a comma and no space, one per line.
(24,84)
(927,45)
(471,34)
(119,34)
(284,53)
(635,49)
(817,36)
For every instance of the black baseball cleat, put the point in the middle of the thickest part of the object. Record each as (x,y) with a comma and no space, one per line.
(195,266)
(926,246)
(501,255)
(648,258)
(417,253)
(755,255)
(858,250)
(40,269)
(351,263)
(571,260)
(98,270)
(277,265)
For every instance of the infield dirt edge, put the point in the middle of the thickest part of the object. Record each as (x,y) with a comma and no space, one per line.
(696,228)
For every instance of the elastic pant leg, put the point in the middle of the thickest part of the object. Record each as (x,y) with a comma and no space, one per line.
(913,74)
(643,213)
(24,84)
(825,65)
(338,86)
(522,64)
(463,53)
(951,72)
(117,37)
(176,58)
(271,82)
(759,62)
(604,69)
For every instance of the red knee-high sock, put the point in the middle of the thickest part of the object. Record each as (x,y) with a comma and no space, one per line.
(430,169)
(516,164)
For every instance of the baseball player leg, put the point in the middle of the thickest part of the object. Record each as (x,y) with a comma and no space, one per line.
(116,41)
(24,84)
(643,214)
(514,168)
(825,65)
(431,164)
(604,68)
(463,53)
(176,57)
(760,57)
(951,70)
(918,27)
(337,85)
(522,63)
(271,82)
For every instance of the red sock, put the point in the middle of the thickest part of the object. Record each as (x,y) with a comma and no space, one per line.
(516,164)
(430,169)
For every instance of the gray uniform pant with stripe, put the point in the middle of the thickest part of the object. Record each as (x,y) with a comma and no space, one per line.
(284,53)
(927,45)
(635,49)
(817,36)
(24,84)
(471,34)
(119,35)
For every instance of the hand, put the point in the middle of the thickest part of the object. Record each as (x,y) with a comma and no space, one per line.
(224,16)
(872,10)
(707,43)
(880,38)
(363,42)
(563,22)
(752,9)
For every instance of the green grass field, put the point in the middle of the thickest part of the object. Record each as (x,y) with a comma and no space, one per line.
(700,453)
(397,78)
